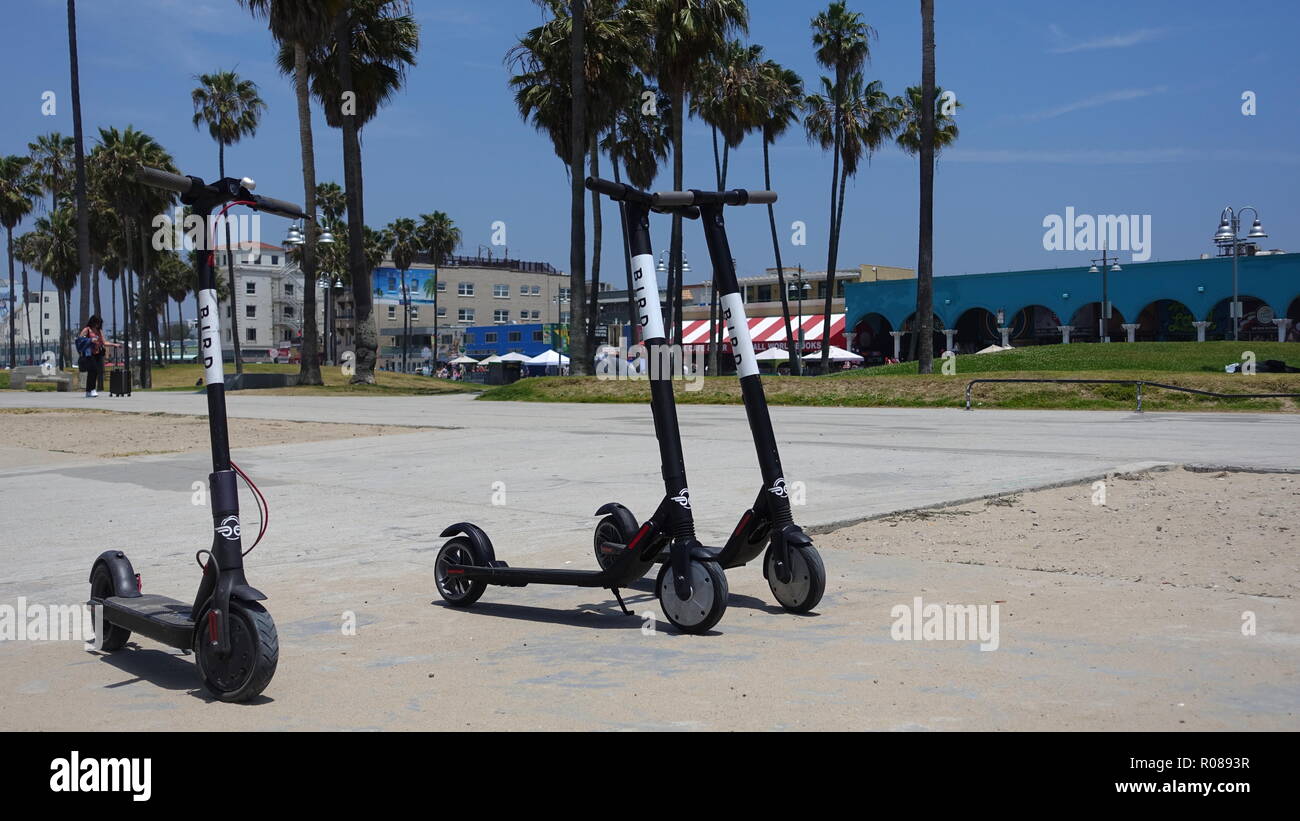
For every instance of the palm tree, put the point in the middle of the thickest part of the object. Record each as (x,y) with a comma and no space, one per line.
(925,243)
(686,33)
(231,108)
(18,193)
(909,109)
(780,95)
(300,25)
(354,72)
(113,164)
(575,79)
(404,235)
(51,155)
(55,248)
(439,237)
(25,254)
(843,44)
(83,211)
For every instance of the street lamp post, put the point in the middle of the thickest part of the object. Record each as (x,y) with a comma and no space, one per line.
(1229,229)
(296,237)
(1103,323)
(797,288)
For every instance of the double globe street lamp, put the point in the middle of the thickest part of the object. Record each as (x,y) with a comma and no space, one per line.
(297,237)
(1228,233)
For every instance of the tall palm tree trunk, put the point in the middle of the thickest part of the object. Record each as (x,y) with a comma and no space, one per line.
(795,361)
(579,343)
(832,257)
(94,281)
(13,350)
(148,316)
(112,292)
(309,369)
(597,244)
(79,159)
(27,310)
(925,242)
(365,334)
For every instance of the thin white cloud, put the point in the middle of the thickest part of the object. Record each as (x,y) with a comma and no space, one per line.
(1094,101)
(1122,40)
(1121,156)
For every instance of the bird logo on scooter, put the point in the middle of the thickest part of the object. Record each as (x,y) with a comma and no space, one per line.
(683,498)
(229,528)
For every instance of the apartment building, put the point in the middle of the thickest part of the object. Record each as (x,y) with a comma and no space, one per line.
(42,312)
(268,296)
(471,291)
(762,293)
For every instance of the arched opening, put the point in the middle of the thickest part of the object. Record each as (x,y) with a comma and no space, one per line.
(977,328)
(1166,320)
(1035,325)
(911,346)
(1293,313)
(871,339)
(1256,320)
(1087,323)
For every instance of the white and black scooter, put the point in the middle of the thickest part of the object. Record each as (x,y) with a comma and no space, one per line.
(791,564)
(233,637)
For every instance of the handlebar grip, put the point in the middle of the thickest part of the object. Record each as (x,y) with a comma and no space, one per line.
(164,179)
(613,190)
(673,198)
(689,212)
(278,207)
(760,197)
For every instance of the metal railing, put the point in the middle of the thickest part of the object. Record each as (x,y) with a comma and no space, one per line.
(1140,383)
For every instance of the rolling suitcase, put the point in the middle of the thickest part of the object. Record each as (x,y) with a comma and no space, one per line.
(119,382)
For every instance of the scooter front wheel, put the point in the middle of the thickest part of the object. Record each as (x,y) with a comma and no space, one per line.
(457,590)
(708,600)
(243,673)
(807,579)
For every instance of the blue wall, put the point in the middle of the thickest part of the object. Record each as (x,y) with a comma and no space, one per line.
(477,346)
(1197,283)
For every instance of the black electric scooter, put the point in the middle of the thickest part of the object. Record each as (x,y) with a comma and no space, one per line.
(691,587)
(232,636)
(792,566)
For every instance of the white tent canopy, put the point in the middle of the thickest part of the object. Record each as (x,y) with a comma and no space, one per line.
(464,360)
(513,356)
(493,358)
(836,355)
(993,349)
(773,354)
(549,357)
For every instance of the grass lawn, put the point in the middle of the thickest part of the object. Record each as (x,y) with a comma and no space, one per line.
(1191,364)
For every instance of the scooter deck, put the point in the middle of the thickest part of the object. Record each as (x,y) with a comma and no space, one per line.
(160,618)
(522,576)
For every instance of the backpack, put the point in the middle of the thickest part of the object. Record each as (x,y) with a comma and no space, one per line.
(85,346)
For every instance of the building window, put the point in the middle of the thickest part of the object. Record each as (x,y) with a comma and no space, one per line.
(537,336)
(288,287)
(515,336)
(465,289)
(275,260)
(442,311)
(442,286)
(252,334)
(392,312)
(250,311)
(537,314)
(523,290)
(501,291)
(47,300)
(564,294)
(415,313)
(446,339)
(537,290)
(392,283)
(288,312)
(839,290)
(500,316)
(489,338)
(250,287)
(765,293)
(564,318)
(465,315)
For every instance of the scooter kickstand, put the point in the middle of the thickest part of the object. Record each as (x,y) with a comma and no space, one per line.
(626,612)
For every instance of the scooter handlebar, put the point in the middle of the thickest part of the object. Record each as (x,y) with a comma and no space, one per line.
(736,196)
(165,179)
(281,208)
(618,192)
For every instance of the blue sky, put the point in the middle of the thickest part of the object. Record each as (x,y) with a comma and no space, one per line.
(1108,107)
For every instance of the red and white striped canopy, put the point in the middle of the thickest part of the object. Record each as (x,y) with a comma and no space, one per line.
(769,331)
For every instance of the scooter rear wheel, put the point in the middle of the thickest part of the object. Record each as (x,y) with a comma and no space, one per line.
(807,579)
(708,599)
(456,590)
(243,673)
(101,587)
(618,527)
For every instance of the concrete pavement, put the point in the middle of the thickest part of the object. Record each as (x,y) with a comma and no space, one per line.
(354,529)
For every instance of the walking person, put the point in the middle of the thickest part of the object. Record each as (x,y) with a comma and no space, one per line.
(91,362)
